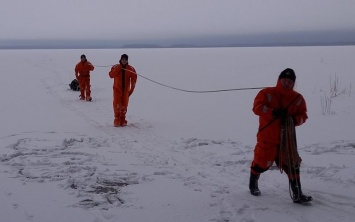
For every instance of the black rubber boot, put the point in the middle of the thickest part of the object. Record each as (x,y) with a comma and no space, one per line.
(297,195)
(253,185)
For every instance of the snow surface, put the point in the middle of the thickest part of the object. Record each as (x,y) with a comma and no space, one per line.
(183,156)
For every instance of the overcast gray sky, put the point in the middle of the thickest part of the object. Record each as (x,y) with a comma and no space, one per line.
(149,19)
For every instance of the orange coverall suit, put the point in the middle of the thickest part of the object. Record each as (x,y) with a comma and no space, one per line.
(125,79)
(82,73)
(268,137)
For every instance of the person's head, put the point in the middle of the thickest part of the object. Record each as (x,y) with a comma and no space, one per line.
(83,58)
(287,78)
(124,59)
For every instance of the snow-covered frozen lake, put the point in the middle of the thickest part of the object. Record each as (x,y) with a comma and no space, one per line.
(183,156)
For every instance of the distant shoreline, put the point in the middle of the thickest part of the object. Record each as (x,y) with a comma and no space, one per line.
(286,39)
(153,46)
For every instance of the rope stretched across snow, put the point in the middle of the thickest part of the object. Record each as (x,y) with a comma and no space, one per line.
(184,90)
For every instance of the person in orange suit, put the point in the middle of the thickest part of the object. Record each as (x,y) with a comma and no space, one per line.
(82,74)
(273,104)
(125,78)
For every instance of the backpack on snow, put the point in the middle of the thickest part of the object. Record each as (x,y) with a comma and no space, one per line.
(74,85)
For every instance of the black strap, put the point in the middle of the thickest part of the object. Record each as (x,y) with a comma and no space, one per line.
(123,78)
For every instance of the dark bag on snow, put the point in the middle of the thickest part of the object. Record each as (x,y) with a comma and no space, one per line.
(74,85)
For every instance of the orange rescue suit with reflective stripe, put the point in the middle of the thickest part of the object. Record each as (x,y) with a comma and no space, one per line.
(272,98)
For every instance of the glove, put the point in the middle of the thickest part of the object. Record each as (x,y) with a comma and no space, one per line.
(279,113)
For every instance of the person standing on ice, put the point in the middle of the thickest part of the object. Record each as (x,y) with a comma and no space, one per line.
(82,74)
(274,106)
(125,78)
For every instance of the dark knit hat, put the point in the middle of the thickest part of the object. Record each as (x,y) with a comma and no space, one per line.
(288,74)
(124,56)
(82,56)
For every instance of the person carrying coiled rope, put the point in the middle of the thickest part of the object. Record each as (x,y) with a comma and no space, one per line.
(279,108)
